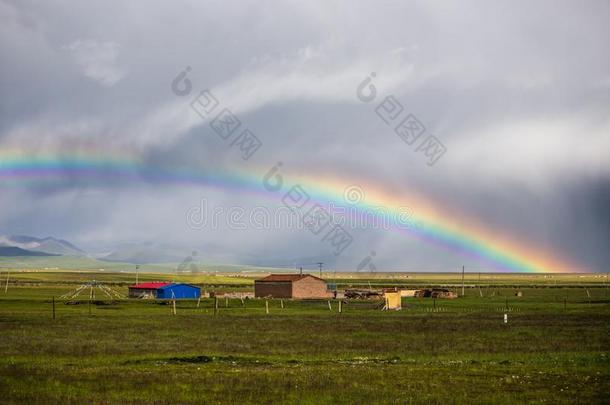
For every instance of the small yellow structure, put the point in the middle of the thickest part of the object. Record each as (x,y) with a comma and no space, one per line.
(392,300)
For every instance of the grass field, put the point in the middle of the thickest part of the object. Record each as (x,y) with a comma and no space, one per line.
(554,348)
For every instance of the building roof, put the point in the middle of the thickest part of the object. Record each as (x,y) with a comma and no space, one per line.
(287,277)
(149,286)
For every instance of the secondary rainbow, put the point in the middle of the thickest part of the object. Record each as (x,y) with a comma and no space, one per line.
(434,223)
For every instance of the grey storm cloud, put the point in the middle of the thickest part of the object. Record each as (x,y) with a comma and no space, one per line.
(519,96)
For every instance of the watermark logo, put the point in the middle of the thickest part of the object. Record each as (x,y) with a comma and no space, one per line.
(188,265)
(432,148)
(367,264)
(196,216)
(181,85)
(410,129)
(407,127)
(273,181)
(366,91)
(389,109)
(338,238)
(317,219)
(296,198)
(353,195)
(204,103)
(225,124)
(248,144)
(298,212)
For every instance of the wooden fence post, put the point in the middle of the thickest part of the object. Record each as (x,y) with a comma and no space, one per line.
(53,307)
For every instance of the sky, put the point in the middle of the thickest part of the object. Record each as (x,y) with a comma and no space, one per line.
(516,96)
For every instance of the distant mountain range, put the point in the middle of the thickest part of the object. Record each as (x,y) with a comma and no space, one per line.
(15,246)
(12,251)
(20,245)
(134,253)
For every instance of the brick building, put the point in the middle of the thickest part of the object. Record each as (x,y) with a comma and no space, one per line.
(298,286)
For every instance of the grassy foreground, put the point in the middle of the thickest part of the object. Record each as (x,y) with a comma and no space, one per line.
(554,348)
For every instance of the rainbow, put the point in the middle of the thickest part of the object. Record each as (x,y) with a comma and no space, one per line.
(434,224)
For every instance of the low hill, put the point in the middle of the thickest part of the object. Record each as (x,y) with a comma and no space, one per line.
(49,245)
(12,251)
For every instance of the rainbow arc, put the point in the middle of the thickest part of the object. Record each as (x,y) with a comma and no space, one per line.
(435,223)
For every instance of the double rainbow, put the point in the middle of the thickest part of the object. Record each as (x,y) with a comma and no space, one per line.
(435,224)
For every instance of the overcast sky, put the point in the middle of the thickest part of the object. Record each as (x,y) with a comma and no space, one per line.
(517,92)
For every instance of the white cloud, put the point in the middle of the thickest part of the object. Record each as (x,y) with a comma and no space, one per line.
(533,151)
(98,60)
(311,74)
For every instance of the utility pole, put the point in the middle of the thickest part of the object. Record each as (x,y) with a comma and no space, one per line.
(137,268)
(320,264)
(462,281)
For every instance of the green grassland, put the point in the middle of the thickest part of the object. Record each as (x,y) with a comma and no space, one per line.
(554,348)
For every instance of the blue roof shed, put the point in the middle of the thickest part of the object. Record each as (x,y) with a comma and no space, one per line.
(178,291)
